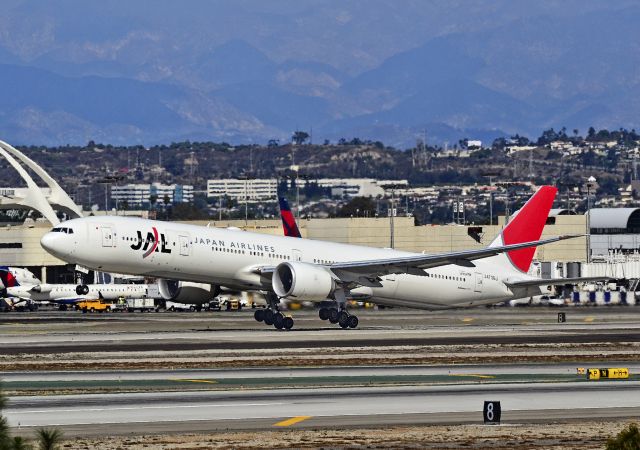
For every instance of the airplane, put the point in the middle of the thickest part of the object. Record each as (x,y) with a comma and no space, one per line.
(310,270)
(22,284)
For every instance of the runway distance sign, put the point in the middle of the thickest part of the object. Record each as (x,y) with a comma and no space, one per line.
(491,412)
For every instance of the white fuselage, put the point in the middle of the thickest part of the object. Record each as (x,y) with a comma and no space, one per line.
(230,258)
(67,292)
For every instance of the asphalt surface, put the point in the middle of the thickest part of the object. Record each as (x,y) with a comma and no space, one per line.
(529,370)
(48,332)
(207,411)
(191,400)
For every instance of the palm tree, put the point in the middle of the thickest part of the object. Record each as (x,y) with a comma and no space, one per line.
(5,438)
(19,443)
(48,438)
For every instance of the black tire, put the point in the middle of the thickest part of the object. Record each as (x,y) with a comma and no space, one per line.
(172,309)
(92,310)
(323,313)
(278,321)
(343,319)
(333,315)
(268,317)
(353,322)
(192,308)
(259,315)
(288,323)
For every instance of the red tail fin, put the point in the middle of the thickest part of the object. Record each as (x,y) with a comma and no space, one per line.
(288,220)
(526,225)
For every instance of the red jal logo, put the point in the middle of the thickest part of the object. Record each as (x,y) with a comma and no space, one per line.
(151,243)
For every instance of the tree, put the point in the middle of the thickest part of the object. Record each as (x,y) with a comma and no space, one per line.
(358,206)
(19,443)
(49,438)
(273,143)
(627,439)
(152,200)
(300,137)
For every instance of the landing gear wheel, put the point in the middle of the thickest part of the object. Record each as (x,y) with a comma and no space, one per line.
(259,315)
(353,321)
(333,315)
(268,316)
(323,313)
(278,321)
(288,323)
(343,319)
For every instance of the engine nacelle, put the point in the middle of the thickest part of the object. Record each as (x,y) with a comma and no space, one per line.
(82,289)
(187,292)
(42,288)
(302,281)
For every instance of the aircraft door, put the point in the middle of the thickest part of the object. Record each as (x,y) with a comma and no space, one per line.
(478,282)
(107,237)
(185,246)
(296,255)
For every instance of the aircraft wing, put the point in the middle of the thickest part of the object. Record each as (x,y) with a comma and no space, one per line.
(552,281)
(415,264)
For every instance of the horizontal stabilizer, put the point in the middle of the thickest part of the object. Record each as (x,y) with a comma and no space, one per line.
(552,281)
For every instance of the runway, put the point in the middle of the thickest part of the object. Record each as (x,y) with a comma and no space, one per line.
(134,374)
(127,413)
(43,334)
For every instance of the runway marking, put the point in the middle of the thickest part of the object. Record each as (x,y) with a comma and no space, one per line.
(184,380)
(129,408)
(473,375)
(292,421)
(588,319)
(468,319)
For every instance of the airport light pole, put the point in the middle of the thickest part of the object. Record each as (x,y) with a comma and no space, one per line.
(591,182)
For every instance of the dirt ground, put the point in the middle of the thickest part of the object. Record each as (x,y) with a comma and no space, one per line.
(583,435)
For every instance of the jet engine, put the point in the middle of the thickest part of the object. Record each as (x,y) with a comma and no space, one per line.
(187,292)
(302,281)
(82,289)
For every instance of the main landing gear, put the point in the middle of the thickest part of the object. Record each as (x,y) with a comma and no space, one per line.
(339,316)
(272,316)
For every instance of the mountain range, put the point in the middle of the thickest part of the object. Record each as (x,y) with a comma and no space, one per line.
(250,71)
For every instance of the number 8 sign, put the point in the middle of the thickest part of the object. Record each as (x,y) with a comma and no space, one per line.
(491,412)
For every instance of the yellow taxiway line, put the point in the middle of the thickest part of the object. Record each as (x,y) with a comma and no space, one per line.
(194,381)
(292,421)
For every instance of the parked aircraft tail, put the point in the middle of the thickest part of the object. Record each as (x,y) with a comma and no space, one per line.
(288,220)
(7,278)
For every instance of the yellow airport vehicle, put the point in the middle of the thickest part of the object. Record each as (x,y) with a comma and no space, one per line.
(93,306)
(581,371)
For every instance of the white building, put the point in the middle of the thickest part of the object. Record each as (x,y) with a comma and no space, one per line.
(358,187)
(137,195)
(252,189)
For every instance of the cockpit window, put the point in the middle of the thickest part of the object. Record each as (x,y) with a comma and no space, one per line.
(62,230)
